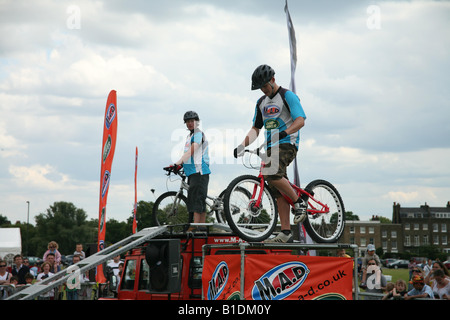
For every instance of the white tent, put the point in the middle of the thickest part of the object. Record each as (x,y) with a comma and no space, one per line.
(10,243)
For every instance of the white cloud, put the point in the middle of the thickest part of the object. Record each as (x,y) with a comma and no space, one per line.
(376,100)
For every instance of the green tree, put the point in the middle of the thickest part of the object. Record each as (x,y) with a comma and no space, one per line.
(4,221)
(63,223)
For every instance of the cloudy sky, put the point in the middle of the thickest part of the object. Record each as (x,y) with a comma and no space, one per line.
(372,76)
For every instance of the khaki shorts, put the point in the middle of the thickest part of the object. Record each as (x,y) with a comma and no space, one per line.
(276,169)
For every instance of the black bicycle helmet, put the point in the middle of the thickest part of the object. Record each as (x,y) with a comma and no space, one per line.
(261,76)
(190,115)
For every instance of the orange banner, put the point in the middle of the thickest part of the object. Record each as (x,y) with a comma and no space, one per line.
(222,277)
(278,277)
(108,148)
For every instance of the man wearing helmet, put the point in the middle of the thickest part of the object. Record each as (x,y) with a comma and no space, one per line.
(195,162)
(279,111)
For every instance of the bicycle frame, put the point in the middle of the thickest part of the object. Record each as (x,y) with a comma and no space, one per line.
(315,207)
(216,204)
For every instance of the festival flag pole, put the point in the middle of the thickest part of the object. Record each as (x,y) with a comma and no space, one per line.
(303,235)
(108,148)
(293,50)
(135,193)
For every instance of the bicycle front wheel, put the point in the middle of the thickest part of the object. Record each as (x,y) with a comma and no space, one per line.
(250,210)
(170,209)
(326,214)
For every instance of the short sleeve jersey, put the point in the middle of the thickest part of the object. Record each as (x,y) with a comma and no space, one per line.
(199,161)
(277,114)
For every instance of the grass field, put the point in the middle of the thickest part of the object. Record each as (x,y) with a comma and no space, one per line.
(397,274)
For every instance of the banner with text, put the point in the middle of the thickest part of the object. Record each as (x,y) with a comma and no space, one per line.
(108,148)
(278,277)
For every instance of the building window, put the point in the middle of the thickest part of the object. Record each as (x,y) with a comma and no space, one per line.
(407,226)
(407,241)
(444,240)
(384,234)
(425,240)
(363,242)
(416,241)
(371,230)
(436,240)
(393,234)
(394,245)
(425,227)
(435,227)
(416,226)
(352,229)
(362,230)
(443,227)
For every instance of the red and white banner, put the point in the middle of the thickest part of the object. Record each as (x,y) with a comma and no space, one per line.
(277,277)
(108,148)
(135,193)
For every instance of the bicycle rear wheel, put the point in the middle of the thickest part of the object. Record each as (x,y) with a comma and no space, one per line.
(324,227)
(252,215)
(170,209)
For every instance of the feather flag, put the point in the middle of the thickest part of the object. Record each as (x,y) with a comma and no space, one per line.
(108,148)
(303,235)
(135,193)
(293,50)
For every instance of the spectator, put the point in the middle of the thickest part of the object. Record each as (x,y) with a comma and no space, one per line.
(52,261)
(429,279)
(73,289)
(53,248)
(427,267)
(399,291)
(79,251)
(421,290)
(115,265)
(46,273)
(14,281)
(341,253)
(5,278)
(29,278)
(19,269)
(376,281)
(416,271)
(370,254)
(412,264)
(389,289)
(441,285)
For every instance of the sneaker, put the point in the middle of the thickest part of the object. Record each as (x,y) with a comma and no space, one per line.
(299,209)
(281,238)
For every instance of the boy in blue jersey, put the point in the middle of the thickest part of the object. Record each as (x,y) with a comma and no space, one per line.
(279,111)
(195,162)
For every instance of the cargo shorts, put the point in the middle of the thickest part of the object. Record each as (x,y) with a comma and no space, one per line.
(276,168)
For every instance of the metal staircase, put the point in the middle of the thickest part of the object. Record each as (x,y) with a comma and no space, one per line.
(88,263)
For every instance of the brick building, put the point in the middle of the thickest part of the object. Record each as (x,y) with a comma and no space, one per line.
(410,229)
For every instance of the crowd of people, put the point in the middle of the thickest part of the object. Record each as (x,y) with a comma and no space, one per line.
(21,273)
(428,280)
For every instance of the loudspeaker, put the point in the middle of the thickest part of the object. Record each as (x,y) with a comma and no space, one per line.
(164,259)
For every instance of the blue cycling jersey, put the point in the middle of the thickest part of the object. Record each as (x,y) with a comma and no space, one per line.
(199,161)
(277,114)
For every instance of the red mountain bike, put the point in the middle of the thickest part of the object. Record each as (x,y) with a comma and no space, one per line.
(251,211)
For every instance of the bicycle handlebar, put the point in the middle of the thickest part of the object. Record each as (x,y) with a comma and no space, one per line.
(175,169)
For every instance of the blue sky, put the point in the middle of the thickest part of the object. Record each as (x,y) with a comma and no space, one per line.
(372,77)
